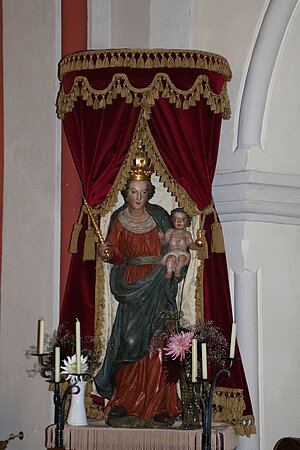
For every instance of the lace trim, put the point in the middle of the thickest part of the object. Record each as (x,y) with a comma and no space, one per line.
(136,227)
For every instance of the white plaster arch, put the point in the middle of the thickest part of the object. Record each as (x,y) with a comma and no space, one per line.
(265,53)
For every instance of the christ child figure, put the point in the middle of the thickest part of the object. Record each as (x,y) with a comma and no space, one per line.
(179,241)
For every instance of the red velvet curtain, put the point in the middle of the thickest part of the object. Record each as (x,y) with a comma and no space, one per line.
(187,140)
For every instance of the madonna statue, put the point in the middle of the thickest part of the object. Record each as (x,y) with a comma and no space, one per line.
(132,378)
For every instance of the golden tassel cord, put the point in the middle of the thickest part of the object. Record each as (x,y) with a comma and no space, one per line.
(144,97)
(144,59)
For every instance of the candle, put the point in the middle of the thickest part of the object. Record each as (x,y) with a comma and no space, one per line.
(204,361)
(232,340)
(194,360)
(57,365)
(41,336)
(78,346)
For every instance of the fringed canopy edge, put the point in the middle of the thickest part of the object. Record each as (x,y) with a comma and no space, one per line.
(144,59)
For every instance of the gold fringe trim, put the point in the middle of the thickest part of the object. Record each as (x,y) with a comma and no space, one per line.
(144,97)
(199,297)
(144,59)
(228,406)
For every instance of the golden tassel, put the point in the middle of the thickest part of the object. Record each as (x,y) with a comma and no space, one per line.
(102,104)
(178,102)
(166,92)
(217,239)
(170,63)
(160,86)
(91,63)
(133,63)
(124,91)
(136,101)
(128,98)
(177,61)
(197,95)
(109,98)
(120,60)
(113,61)
(150,99)
(89,101)
(105,62)
(156,62)
(185,61)
(185,104)
(85,64)
(192,101)
(96,103)
(172,98)
(149,63)
(89,252)
(192,64)
(98,63)
(126,61)
(140,62)
(163,62)
(155,94)
(73,248)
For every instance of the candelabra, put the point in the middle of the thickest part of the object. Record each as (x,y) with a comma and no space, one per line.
(204,402)
(47,371)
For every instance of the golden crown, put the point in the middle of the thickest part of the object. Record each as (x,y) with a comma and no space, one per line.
(141,169)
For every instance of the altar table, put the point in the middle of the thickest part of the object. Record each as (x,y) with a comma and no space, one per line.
(98,436)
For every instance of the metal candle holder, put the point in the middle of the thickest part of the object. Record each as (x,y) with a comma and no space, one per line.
(47,372)
(204,403)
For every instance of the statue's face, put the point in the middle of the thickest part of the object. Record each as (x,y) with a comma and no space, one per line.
(137,195)
(179,220)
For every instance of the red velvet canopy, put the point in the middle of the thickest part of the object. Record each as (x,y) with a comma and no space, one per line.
(175,101)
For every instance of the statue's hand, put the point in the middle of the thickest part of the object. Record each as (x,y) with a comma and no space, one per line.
(160,234)
(106,252)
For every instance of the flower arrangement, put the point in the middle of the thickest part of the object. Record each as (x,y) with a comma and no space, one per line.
(63,338)
(176,341)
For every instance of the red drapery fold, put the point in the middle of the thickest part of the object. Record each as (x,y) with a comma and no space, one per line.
(187,138)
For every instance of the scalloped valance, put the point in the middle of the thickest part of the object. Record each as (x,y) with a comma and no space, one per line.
(181,76)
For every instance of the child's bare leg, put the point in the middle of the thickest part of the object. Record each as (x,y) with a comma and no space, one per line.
(170,264)
(181,262)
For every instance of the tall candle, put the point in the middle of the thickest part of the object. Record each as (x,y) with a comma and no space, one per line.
(232,340)
(78,346)
(57,365)
(204,361)
(41,336)
(194,360)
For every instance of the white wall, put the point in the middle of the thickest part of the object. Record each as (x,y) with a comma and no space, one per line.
(30,214)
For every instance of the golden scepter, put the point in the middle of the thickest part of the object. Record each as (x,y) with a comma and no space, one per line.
(97,229)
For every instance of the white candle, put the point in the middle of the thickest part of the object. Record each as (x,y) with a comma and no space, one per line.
(194,360)
(78,346)
(41,336)
(232,340)
(57,365)
(204,361)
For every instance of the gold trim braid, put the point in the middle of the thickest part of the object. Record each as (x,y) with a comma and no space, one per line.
(145,97)
(144,59)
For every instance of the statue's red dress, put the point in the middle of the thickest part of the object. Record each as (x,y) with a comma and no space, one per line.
(141,386)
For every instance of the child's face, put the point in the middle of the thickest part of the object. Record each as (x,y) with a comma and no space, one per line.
(179,220)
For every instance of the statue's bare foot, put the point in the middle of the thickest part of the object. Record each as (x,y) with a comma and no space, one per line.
(177,273)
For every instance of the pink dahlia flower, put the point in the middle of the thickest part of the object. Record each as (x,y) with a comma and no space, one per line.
(179,344)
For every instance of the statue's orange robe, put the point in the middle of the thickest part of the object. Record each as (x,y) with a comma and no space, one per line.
(141,386)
